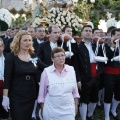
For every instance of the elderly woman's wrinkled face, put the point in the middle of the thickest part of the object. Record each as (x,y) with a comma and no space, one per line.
(25,42)
(59,58)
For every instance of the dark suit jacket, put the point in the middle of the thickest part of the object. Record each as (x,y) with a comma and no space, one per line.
(5,54)
(44,51)
(4,39)
(81,60)
(7,44)
(2,36)
(35,45)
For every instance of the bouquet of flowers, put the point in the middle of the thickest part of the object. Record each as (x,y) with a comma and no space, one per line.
(111,22)
(62,18)
(5,19)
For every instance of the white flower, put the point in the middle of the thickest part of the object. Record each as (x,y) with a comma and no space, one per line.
(62,26)
(49,16)
(52,19)
(69,24)
(72,16)
(58,17)
(59,24)
(60,9)
(54,11)
(73,24)
(76,29)
(64,14)
(64,23)
(67,20)
(72,21)
(62,17)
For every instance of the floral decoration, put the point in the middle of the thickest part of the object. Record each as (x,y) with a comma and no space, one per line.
(62,18)
(5,15)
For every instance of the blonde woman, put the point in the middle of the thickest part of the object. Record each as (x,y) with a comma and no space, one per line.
(21,66)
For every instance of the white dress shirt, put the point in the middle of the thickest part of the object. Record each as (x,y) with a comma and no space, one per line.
(53,45)
(91,53)
(40,41)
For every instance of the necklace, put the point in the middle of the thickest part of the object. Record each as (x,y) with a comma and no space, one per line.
(24,58)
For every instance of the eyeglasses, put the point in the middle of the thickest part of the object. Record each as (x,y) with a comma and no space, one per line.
(59,56)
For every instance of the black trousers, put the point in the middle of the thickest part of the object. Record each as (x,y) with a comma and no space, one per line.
(3,114)
(89,89)
(101,81)
(112,85)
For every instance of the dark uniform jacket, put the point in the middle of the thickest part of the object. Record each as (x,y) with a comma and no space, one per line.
(35,45)
(110,54)
(81,60)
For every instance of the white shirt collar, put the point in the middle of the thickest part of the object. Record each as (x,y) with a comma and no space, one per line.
(39,41)
(53,45)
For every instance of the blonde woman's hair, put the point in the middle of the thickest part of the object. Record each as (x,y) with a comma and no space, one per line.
(15,45)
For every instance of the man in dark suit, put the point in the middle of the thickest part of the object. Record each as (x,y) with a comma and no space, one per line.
(32,31)
(5,35)
(40,37)
(8,40)
(44,50)
(3,113)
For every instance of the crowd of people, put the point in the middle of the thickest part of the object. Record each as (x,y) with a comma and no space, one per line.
(63,75)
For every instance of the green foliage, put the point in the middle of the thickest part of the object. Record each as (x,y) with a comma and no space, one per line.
(18,21)
(100,8)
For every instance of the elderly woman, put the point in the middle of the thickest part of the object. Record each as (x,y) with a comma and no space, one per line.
(21,67)
(58,93)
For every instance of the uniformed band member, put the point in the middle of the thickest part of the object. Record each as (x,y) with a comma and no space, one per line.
(87,72)
(112,78)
